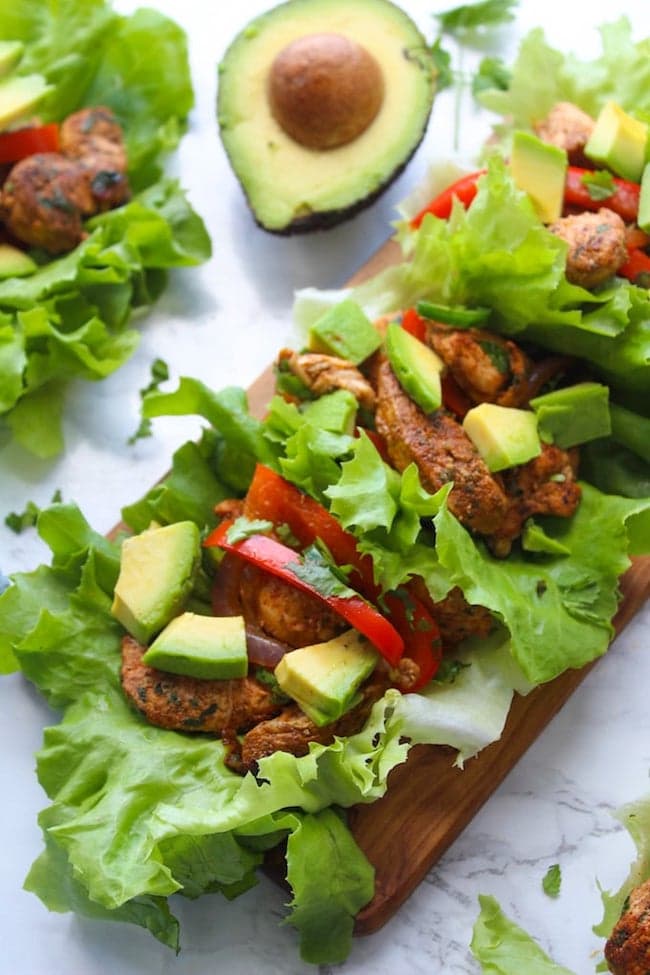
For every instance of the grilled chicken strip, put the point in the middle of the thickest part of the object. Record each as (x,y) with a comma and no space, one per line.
(442,451)
(487,367)
(627,950)
(188,704)
(545,485)
(596,246)
(567,127)
(327,373)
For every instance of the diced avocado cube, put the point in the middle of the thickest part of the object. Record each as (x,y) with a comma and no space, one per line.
(416,366)
(19,95)
(504,437)
(619,142)
(643,217)
(157,571)
(539,169)
(573,415)
(324,678)
(10,54)
(15,263)
(208,647)
(335,412)
(345,331)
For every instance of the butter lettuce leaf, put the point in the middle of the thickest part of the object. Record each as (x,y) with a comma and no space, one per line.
(503,948)
(70,318)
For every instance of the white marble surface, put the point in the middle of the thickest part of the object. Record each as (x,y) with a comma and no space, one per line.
(223,323)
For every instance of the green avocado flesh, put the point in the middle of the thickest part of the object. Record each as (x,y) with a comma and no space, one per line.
(504,437)
(345,331)
(539,169)
(15,263)
(208,647)
(573,415)
(324,678)
(19,95)
(157,571)
(291,188)
(619,141)
(416,366)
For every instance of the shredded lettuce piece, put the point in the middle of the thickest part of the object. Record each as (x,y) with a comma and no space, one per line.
(503,948)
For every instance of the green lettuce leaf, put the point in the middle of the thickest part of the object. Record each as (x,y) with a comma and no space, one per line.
(635,816)
(69,319)
(503,948)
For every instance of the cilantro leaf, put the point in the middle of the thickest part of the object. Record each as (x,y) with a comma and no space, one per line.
(242,528)
(159,373)
(19,521)
(492,73)
(320,571)
(599,184)
(473,16)
(552,880)
(442,63)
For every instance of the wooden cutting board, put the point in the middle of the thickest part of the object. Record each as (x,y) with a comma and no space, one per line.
(429,802)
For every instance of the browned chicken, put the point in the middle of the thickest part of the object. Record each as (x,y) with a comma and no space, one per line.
(327,373)
(545,485)
(47,196)
(596,246)
(487,367)
(284,612)
(93,136)
(567,127)
(627,950)
(442,451)
(188,704)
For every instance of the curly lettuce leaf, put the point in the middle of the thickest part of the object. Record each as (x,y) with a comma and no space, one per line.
(635,816)
(70,318)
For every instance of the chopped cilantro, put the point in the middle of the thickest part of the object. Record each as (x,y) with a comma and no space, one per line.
(552,880)
(268,678)
(19,521)
(242,528)
(320,571)
(497,354)
(449,670)
(474,16)
(492,73)
(599,184)
(442,63)
(159,373)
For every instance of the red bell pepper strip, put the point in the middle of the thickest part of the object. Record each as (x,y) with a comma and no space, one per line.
(419,631)
(636,266)
(272,497)
(624,200)
(414,324)
(277,559)
(464,190)
(21,143)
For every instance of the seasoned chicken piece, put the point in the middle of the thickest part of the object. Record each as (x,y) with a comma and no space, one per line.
(627,950)
(292,730)
(596,246)
(545,485)
(43,201)
(442,451)
(230,508)
(327,373)
(188,704)
(567,127)
(487,367)
(284,612)
(456,618)
(94,137)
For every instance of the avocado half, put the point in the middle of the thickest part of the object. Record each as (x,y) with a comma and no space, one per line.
(292,186)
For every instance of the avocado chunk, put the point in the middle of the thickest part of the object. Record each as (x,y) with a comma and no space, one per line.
(504,437)
(157,571)
(324,678)
(539,169)
(19,95)
(208,647)
(643,217)
(15,263)
(345,331)
(321,104)
(10,54)
(619,141)
(335,412)
(573,415)
(416,366)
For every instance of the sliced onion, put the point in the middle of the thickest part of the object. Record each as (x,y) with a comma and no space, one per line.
(263,650)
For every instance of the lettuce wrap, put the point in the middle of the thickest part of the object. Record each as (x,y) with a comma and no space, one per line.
(70,318)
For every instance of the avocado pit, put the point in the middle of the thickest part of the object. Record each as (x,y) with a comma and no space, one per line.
(324,90)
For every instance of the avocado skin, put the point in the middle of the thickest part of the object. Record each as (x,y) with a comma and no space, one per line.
(325,219)
(397,133)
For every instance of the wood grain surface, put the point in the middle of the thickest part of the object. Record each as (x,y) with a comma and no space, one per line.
(429,801)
